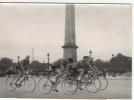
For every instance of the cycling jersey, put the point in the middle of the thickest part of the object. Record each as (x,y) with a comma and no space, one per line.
(18,66)
(82,65)
(25,64)
(59,64)
(73,67)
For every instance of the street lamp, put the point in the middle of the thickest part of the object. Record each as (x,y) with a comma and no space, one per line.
(113,63)
(90,53)
(18,59)
(48,58)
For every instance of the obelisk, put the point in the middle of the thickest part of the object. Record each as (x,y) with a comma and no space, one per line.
(70,48)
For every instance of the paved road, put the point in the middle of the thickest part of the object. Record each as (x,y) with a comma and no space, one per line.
(117,88)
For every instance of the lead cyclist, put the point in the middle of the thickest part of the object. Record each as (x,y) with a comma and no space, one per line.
(22,69)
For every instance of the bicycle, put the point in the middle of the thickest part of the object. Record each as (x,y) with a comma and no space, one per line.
(70,84)
(27,81)
(45,84)
(92,83)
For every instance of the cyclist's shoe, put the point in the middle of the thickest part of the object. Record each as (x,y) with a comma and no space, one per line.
(55,90)
(80,88)
(26,78)
(52,82)
(18,85)
(79,81)
(89,82)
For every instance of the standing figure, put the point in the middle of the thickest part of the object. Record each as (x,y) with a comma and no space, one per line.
(104,73)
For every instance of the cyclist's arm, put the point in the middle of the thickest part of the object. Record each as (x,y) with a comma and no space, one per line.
(29,69)
(96,68)
(62,66)
(22,67)
(67,67)
(92,67)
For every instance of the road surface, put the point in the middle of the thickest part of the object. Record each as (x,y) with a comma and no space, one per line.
(117,88)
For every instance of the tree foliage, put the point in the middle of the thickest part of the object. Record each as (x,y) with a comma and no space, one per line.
(117,64)
(37,66)
(5,64)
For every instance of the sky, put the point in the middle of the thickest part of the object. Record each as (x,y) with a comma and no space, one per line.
(103,28)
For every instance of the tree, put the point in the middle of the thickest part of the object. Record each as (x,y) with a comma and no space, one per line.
(38,67)
(102,64)
(5,64)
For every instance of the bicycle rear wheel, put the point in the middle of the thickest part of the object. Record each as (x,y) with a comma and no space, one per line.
(44,85)
(94,85)
(10,84)
(29,84)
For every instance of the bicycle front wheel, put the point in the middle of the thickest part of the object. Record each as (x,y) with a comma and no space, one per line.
(104,83)
(29,84)
(94,85)
(10,84)
(44,85)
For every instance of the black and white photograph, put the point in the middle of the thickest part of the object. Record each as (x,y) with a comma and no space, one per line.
(66,50)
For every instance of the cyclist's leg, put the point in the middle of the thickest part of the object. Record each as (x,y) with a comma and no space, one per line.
(81,74)
(57,77)
(24,74)
(58,71)
(18,75)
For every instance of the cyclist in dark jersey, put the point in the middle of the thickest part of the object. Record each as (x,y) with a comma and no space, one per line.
(84,66)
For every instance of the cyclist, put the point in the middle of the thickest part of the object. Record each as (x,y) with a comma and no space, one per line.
(60,66)
(83,67)
(22,69)
(72,69)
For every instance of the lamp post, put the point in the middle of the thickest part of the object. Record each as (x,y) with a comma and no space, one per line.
(90,53)
(48,58)
(113,63)
(18,59)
